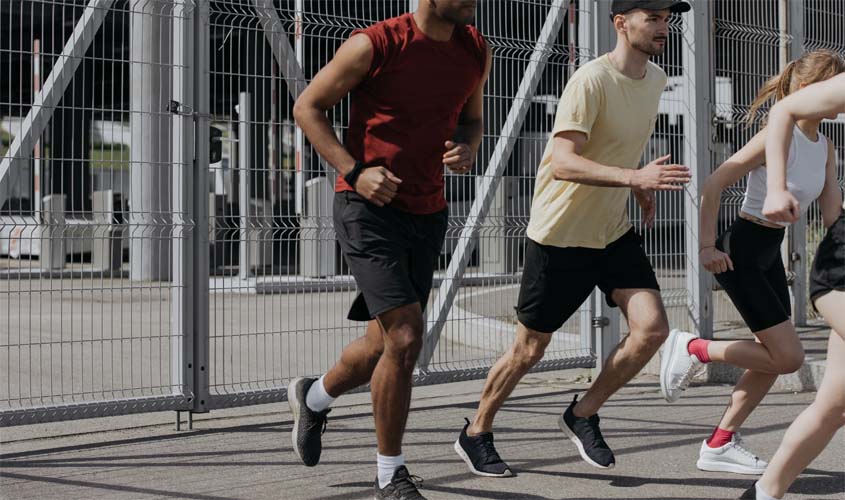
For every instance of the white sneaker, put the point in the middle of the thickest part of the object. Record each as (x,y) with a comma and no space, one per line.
(732,457)
(677,365)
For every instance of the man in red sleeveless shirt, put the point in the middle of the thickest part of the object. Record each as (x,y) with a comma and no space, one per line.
(416,84)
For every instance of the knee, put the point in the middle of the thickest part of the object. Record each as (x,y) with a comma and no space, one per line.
(790,363)
(833,416)
(406,343)
(529,352)
(652,338)
(374,354)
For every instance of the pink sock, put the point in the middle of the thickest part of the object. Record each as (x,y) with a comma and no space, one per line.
(719,438)
(698,348)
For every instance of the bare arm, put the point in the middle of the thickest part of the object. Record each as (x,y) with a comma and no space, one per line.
(830,201)
(569,165)
(820,100)
(461,151)
(349,67)
(751,156)
(344,72)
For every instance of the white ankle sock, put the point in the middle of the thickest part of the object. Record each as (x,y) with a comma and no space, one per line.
(317,398)
(386,467)
(761,493)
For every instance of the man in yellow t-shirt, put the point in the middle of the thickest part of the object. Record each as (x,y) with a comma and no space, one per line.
(580,236)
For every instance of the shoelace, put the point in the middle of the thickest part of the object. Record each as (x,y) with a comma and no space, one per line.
(408,485)
(687,378)
(737,445)
(488,452)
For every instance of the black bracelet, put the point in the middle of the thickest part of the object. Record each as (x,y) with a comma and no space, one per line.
(351,177)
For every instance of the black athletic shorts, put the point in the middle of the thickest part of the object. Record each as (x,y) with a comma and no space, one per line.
(828,272)
(392,254)
(556,281)
(757,286)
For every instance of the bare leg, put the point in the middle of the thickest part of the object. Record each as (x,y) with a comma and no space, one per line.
(649,329)
(392,377)
(778,351)
(526,351)
(357,362)
(815,427)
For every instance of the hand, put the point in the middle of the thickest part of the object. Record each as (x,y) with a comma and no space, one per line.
(645,198)
(781,206)
(660,176)
(715,260)
(377,185)
(458,158)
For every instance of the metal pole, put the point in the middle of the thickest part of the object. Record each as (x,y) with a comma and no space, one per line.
(150,86)
(698,72)
(605,320)
(299,136)
(36,153)
(244,154)
(183,182)
(797,235)
(200,242)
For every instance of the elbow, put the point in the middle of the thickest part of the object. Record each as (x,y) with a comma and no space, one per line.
(711,189)
(299,111)
(561,170)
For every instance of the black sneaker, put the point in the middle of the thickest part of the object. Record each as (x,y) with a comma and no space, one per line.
(480,455)
(403,486)
(308,426)
(586,435)
(750,493)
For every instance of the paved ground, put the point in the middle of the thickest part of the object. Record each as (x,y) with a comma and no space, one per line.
(246,453)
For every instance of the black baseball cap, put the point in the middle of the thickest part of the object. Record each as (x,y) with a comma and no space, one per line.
(623,6)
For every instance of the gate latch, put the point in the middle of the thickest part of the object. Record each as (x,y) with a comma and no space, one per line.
(601,321)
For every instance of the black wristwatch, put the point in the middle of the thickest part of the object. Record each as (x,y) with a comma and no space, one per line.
(351,177)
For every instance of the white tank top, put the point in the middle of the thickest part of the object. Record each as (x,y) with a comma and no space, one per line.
(805,175)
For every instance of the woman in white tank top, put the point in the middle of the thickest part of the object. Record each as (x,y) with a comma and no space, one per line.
(746,261)
(810,433)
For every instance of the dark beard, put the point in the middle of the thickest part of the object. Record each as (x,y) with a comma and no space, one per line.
(649,49)
(457,19)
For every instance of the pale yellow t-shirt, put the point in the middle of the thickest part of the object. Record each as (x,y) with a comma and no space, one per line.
(618,114)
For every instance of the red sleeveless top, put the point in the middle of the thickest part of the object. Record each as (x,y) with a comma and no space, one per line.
(408,106)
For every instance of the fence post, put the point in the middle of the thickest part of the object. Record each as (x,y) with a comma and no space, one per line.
(698,71)
(151,70)
(244,174)
(605,322)
(202,99)
(182,181)
(797,234)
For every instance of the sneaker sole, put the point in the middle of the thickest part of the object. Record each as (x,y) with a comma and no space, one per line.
(572,437)
(726,467)
(461,453)
(294,404)
(665,362)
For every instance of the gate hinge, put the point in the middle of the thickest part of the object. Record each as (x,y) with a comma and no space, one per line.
(601,321)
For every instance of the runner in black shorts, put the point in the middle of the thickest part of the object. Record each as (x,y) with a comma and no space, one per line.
(746,261)
(580,235)
(416,84)
(815,427)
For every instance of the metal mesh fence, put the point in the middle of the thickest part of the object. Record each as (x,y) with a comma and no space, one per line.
(166,230)
(80,324)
